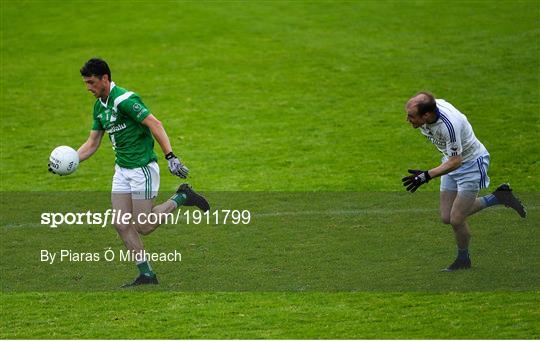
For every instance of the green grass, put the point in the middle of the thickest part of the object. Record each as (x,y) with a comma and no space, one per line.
(275,96)
(276,315)
(302,99)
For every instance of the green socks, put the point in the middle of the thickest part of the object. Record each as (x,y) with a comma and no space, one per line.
(179,199)
(145,269)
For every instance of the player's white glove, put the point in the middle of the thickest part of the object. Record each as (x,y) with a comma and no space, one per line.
(176,167)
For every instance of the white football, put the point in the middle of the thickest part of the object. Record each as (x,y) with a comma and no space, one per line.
(64,160)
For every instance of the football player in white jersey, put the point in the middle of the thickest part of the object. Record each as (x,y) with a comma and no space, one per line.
(463,170)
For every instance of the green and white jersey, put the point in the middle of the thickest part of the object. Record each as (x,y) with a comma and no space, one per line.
(121,116)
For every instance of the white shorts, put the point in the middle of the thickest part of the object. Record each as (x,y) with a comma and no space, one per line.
(471,176)
(142,182)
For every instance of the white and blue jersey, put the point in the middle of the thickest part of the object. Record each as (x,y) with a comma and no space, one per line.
(453,135)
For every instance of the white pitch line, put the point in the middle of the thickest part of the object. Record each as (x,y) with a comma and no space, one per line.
(360,211)
(343,212)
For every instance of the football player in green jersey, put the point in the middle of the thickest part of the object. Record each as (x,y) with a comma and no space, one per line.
(132,129)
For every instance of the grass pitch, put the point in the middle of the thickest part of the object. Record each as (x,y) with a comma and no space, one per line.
(301,99)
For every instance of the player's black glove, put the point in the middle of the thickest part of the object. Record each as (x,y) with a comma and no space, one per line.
(417,179)
(176,167)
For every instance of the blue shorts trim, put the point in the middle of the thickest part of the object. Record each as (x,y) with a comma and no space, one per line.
(482,170)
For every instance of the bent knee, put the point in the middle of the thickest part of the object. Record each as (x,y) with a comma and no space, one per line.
(143,229)
(457,220)
(121,227)
(445,219)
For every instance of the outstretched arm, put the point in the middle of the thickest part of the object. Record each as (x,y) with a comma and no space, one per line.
(453,163)
(156,128)
(91,145)
(419,177)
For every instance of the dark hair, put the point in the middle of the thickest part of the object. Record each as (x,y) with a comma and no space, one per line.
(96,67)
(426,103)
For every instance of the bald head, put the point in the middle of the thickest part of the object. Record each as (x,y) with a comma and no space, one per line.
(421,103)
(421,109)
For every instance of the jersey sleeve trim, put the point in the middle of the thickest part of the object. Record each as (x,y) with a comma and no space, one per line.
(120,99)
(450,128)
